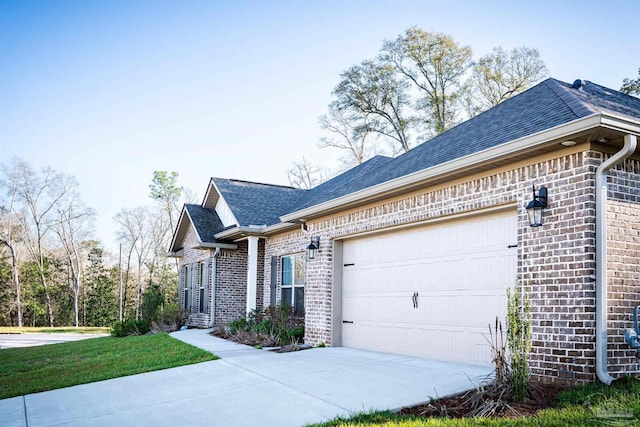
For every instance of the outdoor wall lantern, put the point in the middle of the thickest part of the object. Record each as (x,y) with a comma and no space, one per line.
(535,207)
(313,247)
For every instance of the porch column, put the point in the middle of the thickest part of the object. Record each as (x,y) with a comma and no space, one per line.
(252,273)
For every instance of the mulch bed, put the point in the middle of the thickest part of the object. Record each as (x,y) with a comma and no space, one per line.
(477,403)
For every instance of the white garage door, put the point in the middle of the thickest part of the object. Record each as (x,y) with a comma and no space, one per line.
(458,272)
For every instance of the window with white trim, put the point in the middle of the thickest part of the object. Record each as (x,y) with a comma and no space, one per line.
(202,280)
(292,283)
(186,280)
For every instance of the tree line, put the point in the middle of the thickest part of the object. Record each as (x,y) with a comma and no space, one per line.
(419,85)
(52,270)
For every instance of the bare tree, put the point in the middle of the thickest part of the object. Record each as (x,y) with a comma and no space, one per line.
(500,75)
(436,65)
(9,229)
(39,193)
(72,226)
(372,90)
(133,233)
(350,134)
(305,175)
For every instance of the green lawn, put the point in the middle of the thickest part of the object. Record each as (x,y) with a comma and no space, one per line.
(33,369)
(56,330)
(592,405)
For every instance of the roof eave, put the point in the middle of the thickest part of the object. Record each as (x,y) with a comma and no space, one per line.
(241,231)
(172,248)
(215,245)
(603,119)
(279,228)
(175,254)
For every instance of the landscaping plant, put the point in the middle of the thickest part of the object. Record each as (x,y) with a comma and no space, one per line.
(266,327)
(519,340)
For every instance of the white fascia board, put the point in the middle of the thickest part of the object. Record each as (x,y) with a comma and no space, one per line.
(621,123)
(281,226)
(515,146)
(206,194)
(234,220)
(177,254)
(209,245)
(177,230)
(226,234)
(194,227)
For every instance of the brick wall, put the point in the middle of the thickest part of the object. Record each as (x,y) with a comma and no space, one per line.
(278,246)
(231,281)
(623,262)
(192,257)
(556,262)
(231,284)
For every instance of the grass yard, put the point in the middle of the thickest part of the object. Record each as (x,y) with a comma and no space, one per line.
(591,405)
(55,330)
(33,369)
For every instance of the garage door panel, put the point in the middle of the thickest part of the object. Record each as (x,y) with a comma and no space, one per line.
(460,271)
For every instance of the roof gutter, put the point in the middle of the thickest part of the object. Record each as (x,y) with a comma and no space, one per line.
(241,231)
(215,245)
(630,143)
(531,141)
(175,254)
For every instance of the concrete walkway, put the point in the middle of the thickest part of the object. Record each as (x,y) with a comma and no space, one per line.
(247,387)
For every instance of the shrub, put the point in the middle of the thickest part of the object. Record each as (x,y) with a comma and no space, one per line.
(171,318)
(238,325)
(130,327)
(152,300)
(266,327)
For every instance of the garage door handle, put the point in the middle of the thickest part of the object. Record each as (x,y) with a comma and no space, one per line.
(414,298)
(347,321)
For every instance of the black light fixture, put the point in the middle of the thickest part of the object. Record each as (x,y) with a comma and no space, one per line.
(535,207)
(313,247)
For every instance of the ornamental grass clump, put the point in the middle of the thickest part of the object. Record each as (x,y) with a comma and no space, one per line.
(519,340)
(509,357)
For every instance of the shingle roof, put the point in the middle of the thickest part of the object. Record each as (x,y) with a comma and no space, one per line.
(254,203)
(546,105)
(205,221)
(354,174)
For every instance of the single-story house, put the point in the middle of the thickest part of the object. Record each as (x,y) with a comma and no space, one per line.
(415,253)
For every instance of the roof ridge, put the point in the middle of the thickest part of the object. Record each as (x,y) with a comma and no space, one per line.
(579,107)
(259,183)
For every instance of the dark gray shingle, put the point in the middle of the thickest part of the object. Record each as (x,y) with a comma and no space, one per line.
(254,203)
(546,105)
(205,221)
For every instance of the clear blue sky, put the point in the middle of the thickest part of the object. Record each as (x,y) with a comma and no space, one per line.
(110,91)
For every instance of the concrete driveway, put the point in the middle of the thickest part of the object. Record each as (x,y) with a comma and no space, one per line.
(247,387)
(31,339)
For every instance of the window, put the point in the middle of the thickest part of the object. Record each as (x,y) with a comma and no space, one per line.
(293,282)
(202,280)
(186,280)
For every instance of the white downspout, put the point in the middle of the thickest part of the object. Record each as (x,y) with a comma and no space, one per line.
(212,306)
(630,143)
